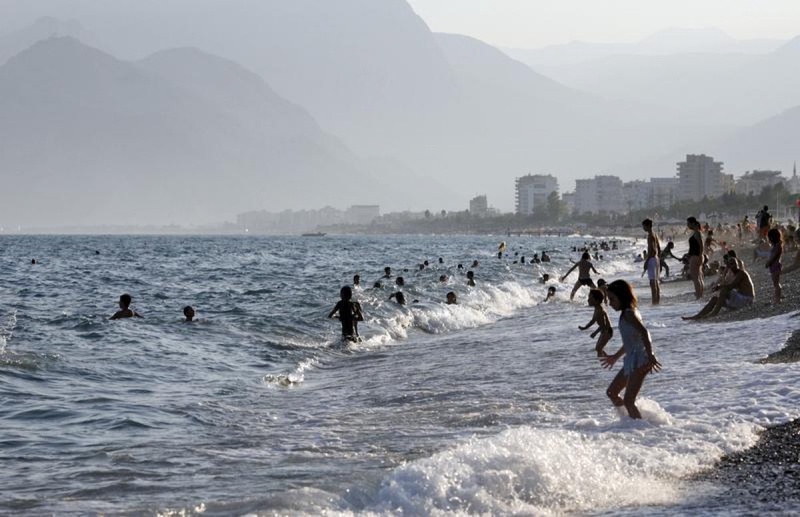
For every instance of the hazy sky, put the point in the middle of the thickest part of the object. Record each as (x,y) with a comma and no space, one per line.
(538,23)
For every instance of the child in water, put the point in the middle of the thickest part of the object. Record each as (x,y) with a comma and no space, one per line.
(188,313)
(349,314)
(600,317)
(636,347)
(125,310)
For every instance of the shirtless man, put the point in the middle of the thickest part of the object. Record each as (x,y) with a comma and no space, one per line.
(125,310)
(736,293)
(651,262)
(584,266)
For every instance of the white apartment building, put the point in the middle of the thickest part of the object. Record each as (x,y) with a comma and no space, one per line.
(700,176)
(663,192)
(600,195)
(754,182)
(479,206)
(533,191)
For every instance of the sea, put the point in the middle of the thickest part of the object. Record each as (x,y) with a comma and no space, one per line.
(493,406)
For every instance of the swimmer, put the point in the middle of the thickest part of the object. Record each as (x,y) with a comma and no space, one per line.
(551,293)
(451,298)
(470,279)
(387,272)
(349,314)
(443,279)
(400,281)
(124,308)
(399,297)
(545,278)
(356,280)
(33,261)
(188,312)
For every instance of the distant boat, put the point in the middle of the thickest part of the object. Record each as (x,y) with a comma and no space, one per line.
(314,234)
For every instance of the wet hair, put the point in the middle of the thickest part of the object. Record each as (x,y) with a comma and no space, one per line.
(125,299)
(551,289)
(597,295)
(545,277)
(449,296)
(624,293)
(188,310)
(585,256)
(470,274)
(346,293)
(400,281)
(774,236)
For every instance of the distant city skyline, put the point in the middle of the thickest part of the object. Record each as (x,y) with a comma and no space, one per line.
(539,23)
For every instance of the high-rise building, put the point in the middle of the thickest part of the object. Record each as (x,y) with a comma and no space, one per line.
(600,195)
(479,206)
(533,191)
(700,176)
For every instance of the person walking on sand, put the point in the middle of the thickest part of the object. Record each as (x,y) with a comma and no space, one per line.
(636,347)
(696,256)
(585,267)
(652,263)
(774,261)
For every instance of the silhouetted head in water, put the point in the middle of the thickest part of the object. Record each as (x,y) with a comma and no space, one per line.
(451,298)
(399,296)
(474,263)
(188,311)
(387,272)
(460,266)
(377,285)
(441,260)
(443,278)
(400,281)
(356,279)
(33,261)
(426,263)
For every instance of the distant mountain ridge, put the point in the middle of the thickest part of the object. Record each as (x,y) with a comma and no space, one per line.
(100,139)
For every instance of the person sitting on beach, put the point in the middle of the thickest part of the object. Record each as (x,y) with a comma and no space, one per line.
(451,298)
(125,310)
(636,347)
(551,293)
(349,314)
(734,294)
(600,316)
(584,266)
(188,313)
(470,279)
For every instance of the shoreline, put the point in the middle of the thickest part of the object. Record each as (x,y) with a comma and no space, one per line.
(762,476)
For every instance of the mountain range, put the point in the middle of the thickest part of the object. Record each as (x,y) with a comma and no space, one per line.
(271,104)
